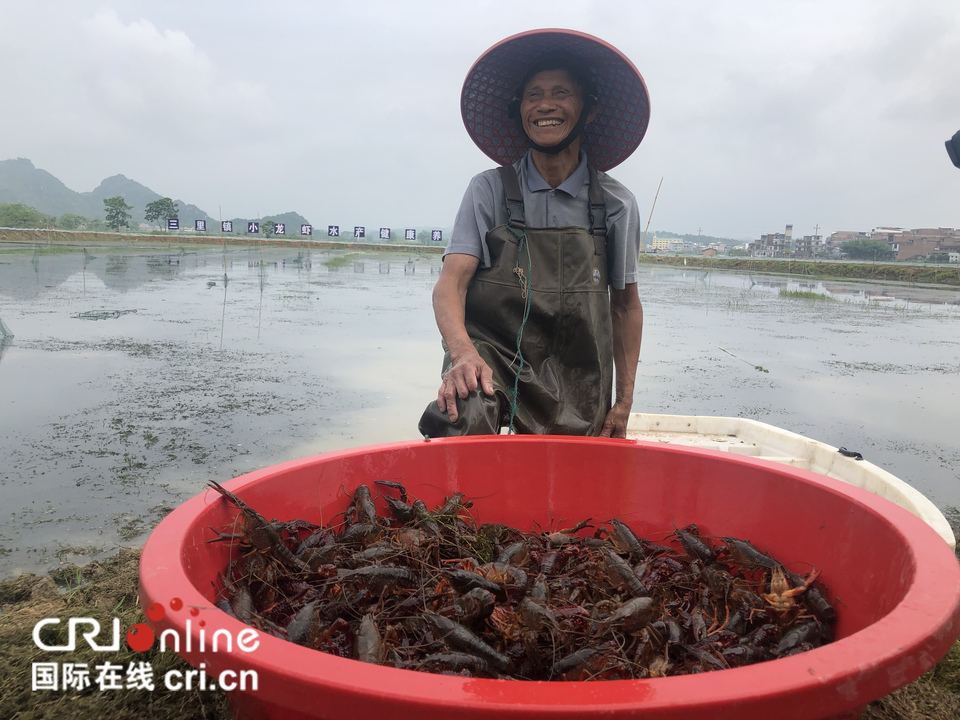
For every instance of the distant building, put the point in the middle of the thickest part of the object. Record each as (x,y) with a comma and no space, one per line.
(681,246)
(773,244)
(660,244)
(905,244)
(841,236)
(810,246)
(910,244)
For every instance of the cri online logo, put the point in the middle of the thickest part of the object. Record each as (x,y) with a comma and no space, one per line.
(141,637)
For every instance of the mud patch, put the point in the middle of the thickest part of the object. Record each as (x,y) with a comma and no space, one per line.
(167,411)
(851,368)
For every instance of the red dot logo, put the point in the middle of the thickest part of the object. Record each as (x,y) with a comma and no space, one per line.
(176,604)
(194,611)
(156,612)
(140,637)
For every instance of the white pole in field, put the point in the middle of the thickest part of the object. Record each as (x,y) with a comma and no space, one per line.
(644,238)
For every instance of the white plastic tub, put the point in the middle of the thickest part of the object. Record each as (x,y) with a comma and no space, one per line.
(741,436)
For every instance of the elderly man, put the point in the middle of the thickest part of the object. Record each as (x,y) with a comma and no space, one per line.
(537,301)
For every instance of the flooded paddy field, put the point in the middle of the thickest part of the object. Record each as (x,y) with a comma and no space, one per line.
(136,373)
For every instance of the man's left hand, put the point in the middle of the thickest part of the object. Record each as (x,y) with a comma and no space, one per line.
(615,424)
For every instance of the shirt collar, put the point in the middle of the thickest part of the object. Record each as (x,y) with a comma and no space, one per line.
(571,186)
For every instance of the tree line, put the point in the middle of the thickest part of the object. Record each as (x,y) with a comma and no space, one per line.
(116,216)
(17,215)
(868,249)
(116,209)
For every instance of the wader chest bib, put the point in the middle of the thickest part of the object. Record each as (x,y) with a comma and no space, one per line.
(566,377)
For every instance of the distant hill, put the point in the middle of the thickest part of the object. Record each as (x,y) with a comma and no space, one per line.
(21,182)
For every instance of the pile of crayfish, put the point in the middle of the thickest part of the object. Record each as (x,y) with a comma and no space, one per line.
(432,590)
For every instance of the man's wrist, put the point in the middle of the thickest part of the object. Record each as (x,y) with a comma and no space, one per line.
(462,348)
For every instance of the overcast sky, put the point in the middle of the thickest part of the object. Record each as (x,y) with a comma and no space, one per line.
(830,114)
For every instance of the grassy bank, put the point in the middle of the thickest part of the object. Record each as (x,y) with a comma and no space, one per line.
(60,238)
(888,272)
(109,589)
(102,591)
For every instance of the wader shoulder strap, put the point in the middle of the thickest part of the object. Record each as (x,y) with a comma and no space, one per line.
(511,188)
(598,213)
(598,207)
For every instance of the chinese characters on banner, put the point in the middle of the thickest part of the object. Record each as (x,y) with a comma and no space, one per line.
(173,224)
(279,228)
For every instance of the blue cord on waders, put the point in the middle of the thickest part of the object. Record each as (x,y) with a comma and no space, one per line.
(525,289)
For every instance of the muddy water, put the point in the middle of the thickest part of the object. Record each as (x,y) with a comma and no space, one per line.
(137,373)
(873,368)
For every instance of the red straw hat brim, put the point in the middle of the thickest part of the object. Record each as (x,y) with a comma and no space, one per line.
(623,103)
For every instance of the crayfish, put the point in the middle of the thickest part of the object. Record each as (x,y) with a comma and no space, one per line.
(433,590)
(781,595)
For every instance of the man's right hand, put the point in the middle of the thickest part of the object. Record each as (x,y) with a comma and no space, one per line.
(468,372)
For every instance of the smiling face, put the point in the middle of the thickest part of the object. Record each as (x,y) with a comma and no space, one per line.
(550,107)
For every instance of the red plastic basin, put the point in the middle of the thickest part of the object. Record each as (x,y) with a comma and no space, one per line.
(896,582)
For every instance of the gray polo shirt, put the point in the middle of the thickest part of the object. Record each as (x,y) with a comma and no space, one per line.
(484,207)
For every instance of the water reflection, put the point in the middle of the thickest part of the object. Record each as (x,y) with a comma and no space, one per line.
(878,375)
(125,272)
(899,296)
(5,342)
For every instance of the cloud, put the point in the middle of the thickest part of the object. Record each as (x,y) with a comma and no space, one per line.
(141,76)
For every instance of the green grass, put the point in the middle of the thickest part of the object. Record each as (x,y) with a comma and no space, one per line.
(341,260)
(41,250)
(100,590)
(805,295)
